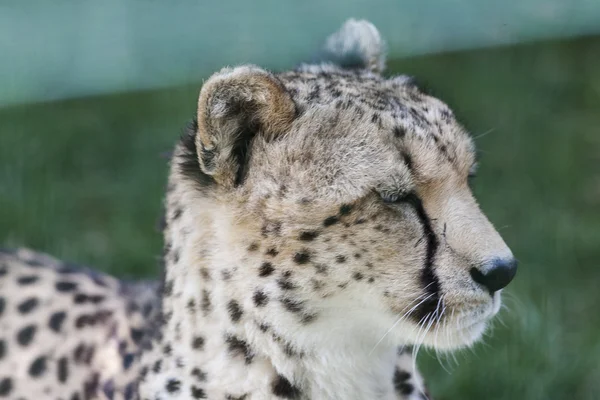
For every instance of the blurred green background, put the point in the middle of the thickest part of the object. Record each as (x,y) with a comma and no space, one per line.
(83,179)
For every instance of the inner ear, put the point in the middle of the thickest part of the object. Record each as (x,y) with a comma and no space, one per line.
(234,106)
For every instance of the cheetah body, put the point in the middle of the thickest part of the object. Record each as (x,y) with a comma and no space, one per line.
(67,332)
(318,224)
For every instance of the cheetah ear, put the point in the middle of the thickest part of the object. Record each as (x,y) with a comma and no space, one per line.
(234,105)
(356,45)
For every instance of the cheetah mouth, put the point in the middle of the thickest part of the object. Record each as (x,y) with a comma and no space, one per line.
(470,327)
(465,326)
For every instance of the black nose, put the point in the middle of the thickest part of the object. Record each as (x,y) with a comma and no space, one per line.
(497,275)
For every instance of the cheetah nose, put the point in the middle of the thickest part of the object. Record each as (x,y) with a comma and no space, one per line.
(497,275)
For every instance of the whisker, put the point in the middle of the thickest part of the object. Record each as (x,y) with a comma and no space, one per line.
(422,338)
(437,331)
(484,133)
(402,318)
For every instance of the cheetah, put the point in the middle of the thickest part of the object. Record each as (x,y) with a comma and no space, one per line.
(68,332)
(318,223)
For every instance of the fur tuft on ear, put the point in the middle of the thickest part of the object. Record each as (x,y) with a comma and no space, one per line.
(356,45)
(234,105)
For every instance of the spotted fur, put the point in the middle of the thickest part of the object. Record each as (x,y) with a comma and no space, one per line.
(317,219)
(67,332)
(318,224)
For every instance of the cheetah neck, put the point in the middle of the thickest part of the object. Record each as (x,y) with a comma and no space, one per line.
(217,342)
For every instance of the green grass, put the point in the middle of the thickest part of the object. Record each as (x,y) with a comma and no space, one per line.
(83,180)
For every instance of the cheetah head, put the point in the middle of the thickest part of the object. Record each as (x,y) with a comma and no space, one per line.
(335,200)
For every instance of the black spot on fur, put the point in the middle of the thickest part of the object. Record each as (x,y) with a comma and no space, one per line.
(177,213)
(340,259)
(321,269)
(62,369)
(157,366)
(128,360)
(198,393)
(260,298)
(266,269)
(109,389)
(27,280)
(25,335)
(81,298)
(283,388)
(330,221)
(136,335)
(302,257)
(65,286)
(253,247)
(205,304)
(292,305)
(272,252)
(205,274)
(2,349)
(130,390)
(6,386)
(191,306)
(235,311)
(78,353)
(238,347)
(168,288)
(84,320)
(28,305)
(226,275)
(2,305)
(308,236)
(308,318)
(345,209)
(231,397)
(401,376)
(173,385)
(143,373)
(285,283)
(83,354)
(399,132)
(404,389)
(199,374)
(358,276)
(91,386)
(37,367)
(198,343)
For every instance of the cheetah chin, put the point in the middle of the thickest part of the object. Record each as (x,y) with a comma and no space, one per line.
(319,222)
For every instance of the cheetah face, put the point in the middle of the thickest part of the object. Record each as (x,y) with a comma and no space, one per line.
(346,198)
